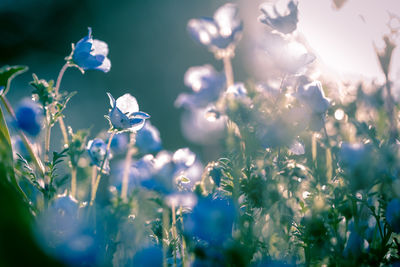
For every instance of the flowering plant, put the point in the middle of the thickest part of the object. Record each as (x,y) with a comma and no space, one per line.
(302,179)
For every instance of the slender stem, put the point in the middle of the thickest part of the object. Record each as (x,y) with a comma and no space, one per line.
(47,138)
(63,131)
(128,160)
(165,227)
(183,247)
(282,81)
(328,155)
(174,231)
(59,78)
(56,91)
(73,181)
(328,140)
(393,134)
(228,70)
(96,184)
(314,147)
(36,160)
(93,182)
(47,147)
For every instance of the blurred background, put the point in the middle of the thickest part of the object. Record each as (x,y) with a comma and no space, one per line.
(150,50)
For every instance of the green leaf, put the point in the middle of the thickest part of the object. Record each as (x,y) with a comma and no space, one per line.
(7,73)
(44,90)
(5,140)
(6,154)
(57,158)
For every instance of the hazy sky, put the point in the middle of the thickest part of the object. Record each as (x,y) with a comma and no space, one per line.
(344,38)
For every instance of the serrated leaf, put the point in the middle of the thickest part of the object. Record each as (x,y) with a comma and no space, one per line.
(43,89)
(7,74)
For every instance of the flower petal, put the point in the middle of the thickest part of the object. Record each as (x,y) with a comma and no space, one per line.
(127,104)
(136,124)
(141,115)
(112,100)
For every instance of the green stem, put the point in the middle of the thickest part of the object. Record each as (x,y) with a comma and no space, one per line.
(128,160)
(73,181)
(165,228)
(56,91)
(174,231)
(47,145)
(64,132)
(328,155)
(97,180)
(60,76)
(228,70)
(314,148)
(183,246)
(393,134)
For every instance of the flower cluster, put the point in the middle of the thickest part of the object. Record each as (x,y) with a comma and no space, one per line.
(298,175)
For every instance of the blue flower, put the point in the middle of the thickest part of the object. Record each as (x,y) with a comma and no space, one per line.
(186,200)
(354,245)
(119,143)
(393,215)
(125,115)
(238,90)
(203,126)
(148,139)
(29,117)
(353,155)
(314,100)
(290,57)
(91,54)
(207,85)
(162,178)
(141,170)
(184,158)
(20,148)
(220,32)
(275,133)
(297,148)
(150,256)
(313,96)
(211,220)
(359,163)
(167,169)
(270,263)
(284,23)
(97,150)
(65,235)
